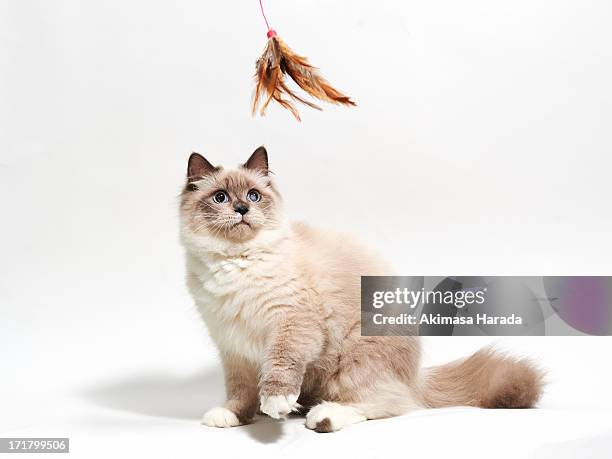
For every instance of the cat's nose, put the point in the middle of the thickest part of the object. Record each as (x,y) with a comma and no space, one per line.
(241,208)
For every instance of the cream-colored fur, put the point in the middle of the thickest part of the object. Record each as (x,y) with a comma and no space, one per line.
(282,303)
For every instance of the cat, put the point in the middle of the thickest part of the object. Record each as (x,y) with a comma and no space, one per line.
(282,303)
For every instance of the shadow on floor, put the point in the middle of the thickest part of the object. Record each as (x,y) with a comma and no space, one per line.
(162,395)
(185,398)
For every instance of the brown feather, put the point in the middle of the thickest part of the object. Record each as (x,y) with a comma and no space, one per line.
(278,60)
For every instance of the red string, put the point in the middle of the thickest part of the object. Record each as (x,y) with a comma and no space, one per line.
(264,14)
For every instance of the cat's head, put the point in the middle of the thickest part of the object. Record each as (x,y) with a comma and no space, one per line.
(230,204)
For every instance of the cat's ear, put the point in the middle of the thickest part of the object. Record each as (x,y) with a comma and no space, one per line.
(258,161)
(198,167)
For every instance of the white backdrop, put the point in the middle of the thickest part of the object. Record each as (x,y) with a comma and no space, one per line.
(481,146)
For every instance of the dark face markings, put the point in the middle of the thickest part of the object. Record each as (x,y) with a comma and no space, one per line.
(233,204)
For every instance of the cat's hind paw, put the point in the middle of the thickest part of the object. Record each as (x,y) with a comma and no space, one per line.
(220,417)
(330,417)
(276,406)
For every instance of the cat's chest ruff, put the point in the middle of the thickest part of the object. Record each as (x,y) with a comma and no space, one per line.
(232,275)
(232,301)
(239,288)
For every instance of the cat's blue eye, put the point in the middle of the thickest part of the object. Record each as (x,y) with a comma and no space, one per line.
(254,196)
(220,197)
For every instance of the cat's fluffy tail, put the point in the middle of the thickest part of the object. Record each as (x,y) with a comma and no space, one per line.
(487,379)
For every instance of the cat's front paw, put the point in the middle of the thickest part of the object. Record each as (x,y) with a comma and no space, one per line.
(220,417)
(276,406)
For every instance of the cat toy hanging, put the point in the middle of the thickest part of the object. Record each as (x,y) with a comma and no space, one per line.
(278,61)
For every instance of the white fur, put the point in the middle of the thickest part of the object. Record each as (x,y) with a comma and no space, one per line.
(386,399)
(220,417)
(339,415)
(276,406)
(223,279)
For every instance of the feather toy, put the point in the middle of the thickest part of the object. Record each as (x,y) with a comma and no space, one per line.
(278,61)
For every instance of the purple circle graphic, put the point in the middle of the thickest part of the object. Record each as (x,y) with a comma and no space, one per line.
(583,302)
